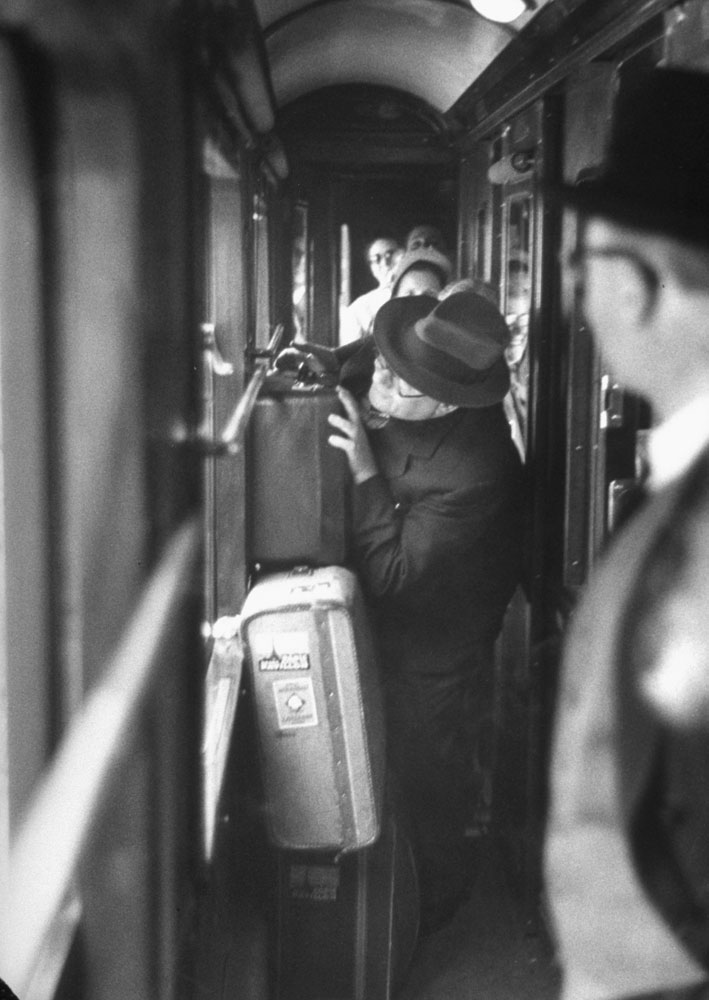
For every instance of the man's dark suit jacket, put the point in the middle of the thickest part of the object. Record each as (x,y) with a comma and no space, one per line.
(438,534)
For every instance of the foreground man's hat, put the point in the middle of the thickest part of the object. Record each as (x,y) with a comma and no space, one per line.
(656,174)
(452,351)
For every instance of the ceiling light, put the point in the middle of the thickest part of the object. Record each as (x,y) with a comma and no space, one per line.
(502,11)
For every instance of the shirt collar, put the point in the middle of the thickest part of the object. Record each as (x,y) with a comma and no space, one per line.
(674,444)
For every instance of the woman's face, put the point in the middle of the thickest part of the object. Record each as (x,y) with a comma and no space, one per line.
(419,281)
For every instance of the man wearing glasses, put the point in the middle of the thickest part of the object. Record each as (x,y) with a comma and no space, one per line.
(627,851)
(437,518)
(357,318)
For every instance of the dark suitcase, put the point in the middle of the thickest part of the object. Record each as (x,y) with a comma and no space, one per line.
(318,706)
(346,928)
(298,482)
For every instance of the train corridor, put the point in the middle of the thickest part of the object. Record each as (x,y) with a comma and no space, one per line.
(494,948)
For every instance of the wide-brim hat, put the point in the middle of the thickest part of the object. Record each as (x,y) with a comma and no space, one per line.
(423,257)
(656,174)
(452,351)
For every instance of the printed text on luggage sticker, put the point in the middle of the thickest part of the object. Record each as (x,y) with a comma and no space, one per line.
(316,883)
(295,703)
(287,651)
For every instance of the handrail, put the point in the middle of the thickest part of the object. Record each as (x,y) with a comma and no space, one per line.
(232,437)
(49,846)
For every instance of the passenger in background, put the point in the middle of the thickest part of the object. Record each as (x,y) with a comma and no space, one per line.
(437,513)
(627,850)
(357,318)
(425,237)
(420,272)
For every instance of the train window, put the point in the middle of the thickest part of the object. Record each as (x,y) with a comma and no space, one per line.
(261,269)
(301,273)
(345,269)
(482,254)
(517,301)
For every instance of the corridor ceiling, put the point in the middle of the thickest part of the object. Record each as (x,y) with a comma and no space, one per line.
(431,49)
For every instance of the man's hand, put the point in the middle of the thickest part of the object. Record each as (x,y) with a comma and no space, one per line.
(353,439)
(309,362)
(290,359)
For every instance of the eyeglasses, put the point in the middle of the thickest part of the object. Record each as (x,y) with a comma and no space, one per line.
(398,382)
(378,258)
(576,262)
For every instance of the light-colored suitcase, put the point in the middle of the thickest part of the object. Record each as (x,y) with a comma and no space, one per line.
(318,707)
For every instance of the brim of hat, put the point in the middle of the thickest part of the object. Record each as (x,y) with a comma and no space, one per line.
(599,198)
(390,333)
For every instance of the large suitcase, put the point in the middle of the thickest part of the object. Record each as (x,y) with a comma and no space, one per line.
(298,483)
(346,927)
(318,706)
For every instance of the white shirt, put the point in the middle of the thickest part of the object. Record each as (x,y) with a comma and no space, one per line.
(674,444)
(357,319)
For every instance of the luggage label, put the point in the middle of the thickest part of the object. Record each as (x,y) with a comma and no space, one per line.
(295,703)
(285,653)
(313,883)
(281,652)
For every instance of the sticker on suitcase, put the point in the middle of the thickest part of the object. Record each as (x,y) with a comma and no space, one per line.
(295,703)
(285,651)
(314,883)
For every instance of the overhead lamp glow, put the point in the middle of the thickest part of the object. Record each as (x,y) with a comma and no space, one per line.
(502,11)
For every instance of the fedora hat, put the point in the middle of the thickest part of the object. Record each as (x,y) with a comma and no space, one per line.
(452,351)
(656,174)
(423,257)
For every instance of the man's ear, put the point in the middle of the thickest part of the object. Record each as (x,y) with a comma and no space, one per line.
(443,408)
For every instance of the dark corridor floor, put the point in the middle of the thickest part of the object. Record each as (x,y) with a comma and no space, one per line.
(489,951)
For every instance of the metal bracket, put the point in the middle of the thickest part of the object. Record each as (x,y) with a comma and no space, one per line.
(612,404)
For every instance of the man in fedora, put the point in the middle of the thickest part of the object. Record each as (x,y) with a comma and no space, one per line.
(627,849)
(437,514)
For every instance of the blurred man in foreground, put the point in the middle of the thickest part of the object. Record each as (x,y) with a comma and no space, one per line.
(627,852)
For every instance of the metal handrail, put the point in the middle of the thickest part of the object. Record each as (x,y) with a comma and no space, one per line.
(231,440)
(51,841)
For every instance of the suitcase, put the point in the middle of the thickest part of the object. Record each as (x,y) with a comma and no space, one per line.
(346,928)
(318,708)
(298,482)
